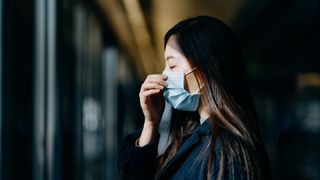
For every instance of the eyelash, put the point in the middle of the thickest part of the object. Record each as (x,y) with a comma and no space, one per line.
(171,67)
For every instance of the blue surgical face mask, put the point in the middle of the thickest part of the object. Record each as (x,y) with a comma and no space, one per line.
(177,96)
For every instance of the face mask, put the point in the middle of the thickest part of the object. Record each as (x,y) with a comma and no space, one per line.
(177,96)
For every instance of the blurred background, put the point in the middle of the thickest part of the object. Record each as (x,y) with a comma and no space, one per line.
(71,70)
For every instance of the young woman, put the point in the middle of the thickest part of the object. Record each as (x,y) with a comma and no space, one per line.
(214,129)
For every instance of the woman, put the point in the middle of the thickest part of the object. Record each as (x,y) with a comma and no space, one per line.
(214,130)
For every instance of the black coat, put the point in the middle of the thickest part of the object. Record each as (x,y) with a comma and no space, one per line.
(188,163)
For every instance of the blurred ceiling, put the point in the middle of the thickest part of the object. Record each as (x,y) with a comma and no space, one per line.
(166,13)
(272,32)
(140,25)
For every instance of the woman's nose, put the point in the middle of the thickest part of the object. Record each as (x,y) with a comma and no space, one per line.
(166,69)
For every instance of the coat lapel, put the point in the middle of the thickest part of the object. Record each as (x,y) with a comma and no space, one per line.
(192,142)
(186,147)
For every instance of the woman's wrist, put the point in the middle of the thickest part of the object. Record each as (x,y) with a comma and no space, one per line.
(148,133)
(148,124)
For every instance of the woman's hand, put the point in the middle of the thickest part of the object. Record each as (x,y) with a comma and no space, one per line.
(151,99)
(152,104)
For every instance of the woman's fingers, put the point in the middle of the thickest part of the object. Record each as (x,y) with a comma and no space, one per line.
(153,84)
(147,86)
(158,78)
(162,76)
(144,95)
(150,99)
(150,92)
(155,81)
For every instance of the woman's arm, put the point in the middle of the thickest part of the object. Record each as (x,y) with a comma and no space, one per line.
(147,135)
(138,157)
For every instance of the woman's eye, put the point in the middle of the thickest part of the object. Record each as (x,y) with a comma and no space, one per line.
(171,67)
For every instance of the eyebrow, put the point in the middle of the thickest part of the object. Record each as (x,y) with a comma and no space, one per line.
(169,57)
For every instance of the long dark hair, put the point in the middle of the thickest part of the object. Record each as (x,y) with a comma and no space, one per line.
(212,47)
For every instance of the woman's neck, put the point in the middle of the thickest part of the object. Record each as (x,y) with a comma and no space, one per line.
(203,113)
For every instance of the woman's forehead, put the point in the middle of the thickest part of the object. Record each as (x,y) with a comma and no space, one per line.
(172,49)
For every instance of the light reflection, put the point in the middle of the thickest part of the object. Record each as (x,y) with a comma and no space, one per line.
(91,114)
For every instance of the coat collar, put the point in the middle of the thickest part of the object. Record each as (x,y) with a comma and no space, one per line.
(193,140)
(203,129)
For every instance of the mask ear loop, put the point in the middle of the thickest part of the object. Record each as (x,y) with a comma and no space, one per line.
(190,71)
(200,88)
(187,73)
